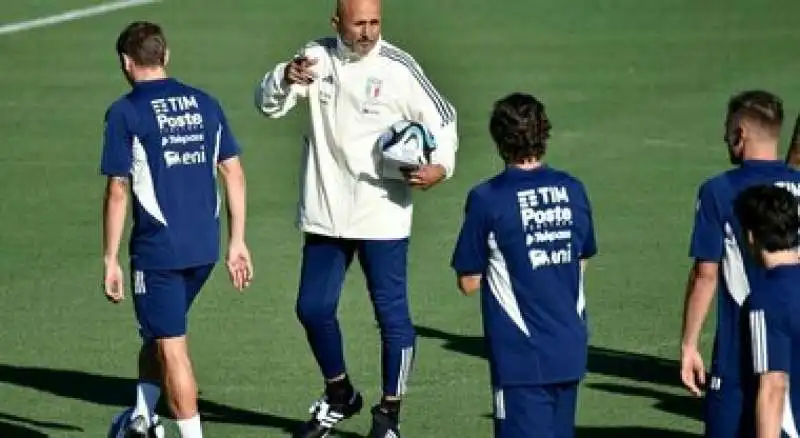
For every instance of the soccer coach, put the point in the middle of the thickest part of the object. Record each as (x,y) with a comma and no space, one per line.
(357,85)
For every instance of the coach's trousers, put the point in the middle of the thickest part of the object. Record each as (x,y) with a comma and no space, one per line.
(384,262)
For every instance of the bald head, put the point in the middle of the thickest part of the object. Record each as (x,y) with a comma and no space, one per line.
(358,23)
(347,6)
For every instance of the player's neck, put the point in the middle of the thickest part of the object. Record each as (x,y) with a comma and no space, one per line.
(150,74)
(528,164)
(780,258)
(761,151)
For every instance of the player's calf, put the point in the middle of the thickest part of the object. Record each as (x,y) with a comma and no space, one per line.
(180,384)
(148,387)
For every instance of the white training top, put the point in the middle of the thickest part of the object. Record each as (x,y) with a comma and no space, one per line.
(352,101)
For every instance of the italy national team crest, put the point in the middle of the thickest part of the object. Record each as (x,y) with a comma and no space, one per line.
(373,92)
(373,89)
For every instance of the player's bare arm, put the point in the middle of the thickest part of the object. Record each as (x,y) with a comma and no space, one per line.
(240,266)
(115,204)
(769,404)
(700,290)
(469,284)
(793,154)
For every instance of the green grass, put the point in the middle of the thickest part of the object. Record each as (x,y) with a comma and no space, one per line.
(33,9)
(636,91)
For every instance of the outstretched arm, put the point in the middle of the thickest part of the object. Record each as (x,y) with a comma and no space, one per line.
(279,89)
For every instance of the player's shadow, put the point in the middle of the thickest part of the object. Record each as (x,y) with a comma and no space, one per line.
(604,361)
(630,432)
(117,391)
(18,431)
(686,406)
(15,426)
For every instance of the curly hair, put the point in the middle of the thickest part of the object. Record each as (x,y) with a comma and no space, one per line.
(770,213)
(520,127)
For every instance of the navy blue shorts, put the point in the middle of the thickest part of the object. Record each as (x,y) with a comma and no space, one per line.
(728,412)
(541,411)
(162,298)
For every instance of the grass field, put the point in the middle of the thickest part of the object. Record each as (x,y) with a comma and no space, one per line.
(636,90)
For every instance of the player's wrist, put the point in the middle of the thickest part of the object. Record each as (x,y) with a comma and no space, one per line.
(111,259)
(688,346)
(236,241)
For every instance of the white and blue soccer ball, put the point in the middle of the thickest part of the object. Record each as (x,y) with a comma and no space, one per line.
(405,144)
(119,426)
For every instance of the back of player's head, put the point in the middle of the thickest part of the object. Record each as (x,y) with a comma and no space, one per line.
(757,108)
(770,213)
(144,43)
(519,127)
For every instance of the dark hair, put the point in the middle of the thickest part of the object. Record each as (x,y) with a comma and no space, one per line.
(144,43)
(771,214)
(758,106)
(519,127)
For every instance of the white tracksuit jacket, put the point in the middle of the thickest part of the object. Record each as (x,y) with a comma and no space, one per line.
(352,101)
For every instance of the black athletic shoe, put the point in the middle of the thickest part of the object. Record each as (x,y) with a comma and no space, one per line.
(383,425)
(325,416)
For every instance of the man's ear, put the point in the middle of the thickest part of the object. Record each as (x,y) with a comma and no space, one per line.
(335,23)
(747,131)
(166,57)
(127,63)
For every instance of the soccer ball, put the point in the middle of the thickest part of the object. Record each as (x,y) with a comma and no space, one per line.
(405,144)
(119,426)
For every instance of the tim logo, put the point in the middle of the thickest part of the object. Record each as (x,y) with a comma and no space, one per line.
(547,222)
(188,158)
(177,113)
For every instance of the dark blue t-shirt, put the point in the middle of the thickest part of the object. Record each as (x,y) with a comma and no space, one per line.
(717,237)
(775,333)
(168,138)
(525,232)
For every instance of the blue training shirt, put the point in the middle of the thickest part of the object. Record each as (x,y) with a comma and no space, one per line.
(525,232)
(775,333)
(717,237)
(168,138)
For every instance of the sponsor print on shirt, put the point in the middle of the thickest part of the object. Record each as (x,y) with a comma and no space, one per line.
(180,123)
(547,221)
